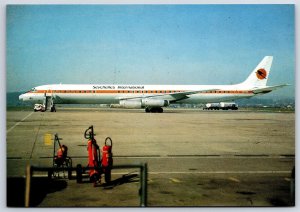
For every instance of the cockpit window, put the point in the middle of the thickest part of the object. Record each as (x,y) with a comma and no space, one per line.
(31,90)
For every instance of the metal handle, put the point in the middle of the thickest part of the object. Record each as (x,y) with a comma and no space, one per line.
(89,134)
(108,138)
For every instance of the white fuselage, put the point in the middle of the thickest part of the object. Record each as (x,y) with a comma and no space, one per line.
(112,94)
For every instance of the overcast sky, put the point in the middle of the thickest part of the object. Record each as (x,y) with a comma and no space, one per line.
(147,44)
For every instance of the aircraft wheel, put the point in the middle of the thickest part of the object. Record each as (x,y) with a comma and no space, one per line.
(147,110)
(156,110)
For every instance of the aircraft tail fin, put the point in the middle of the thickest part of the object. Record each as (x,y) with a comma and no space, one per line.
(259,76)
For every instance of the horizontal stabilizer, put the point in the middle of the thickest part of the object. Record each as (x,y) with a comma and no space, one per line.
(268,89)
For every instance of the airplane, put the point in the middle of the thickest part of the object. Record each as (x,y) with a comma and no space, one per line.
(153,97)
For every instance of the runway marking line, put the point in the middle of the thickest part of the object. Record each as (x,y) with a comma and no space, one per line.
(205,157)
(174,180)
(222,172)
(10,129)
(215,172)
(150,181)
(234,179)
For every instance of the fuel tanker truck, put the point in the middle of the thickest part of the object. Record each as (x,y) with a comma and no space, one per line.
(221,106)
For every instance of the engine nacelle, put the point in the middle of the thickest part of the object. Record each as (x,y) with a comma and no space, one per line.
(131,103)
(155,103)
(142,103)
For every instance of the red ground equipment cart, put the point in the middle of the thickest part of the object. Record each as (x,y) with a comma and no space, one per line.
(60,158)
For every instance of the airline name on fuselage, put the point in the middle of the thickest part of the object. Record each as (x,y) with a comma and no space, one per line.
(99,87)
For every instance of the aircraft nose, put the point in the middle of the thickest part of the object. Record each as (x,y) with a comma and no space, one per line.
(21,97)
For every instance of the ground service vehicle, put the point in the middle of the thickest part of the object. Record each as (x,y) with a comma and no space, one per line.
(221,106)
(228,105)
(39,107)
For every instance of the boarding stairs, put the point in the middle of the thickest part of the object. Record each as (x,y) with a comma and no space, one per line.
(48,102)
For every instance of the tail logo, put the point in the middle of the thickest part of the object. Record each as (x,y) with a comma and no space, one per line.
(261,74)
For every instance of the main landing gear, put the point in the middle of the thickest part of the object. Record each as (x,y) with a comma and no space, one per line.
(154,110)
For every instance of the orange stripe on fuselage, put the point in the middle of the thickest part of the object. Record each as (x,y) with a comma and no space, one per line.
(138,91)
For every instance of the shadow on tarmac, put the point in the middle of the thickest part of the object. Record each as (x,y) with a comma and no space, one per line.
(128,178)
(40,187)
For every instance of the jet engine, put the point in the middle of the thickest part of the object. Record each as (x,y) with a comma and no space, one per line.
(131,103)
(155,103)
(144,103)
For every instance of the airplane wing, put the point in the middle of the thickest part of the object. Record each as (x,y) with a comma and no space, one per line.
(268,89)
(176,96)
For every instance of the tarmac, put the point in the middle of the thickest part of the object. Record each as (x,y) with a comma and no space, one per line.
(195,158)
